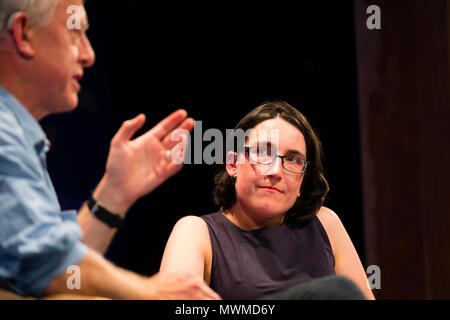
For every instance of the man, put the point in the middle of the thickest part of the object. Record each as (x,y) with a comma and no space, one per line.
(41,63)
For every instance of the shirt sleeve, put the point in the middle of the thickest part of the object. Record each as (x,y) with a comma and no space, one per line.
(37,240)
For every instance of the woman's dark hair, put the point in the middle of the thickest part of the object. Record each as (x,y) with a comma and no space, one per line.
(314,186)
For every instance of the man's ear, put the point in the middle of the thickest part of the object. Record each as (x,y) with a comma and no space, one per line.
(231,163)
(19,26)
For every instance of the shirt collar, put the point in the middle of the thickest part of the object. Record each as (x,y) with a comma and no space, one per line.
(33,131)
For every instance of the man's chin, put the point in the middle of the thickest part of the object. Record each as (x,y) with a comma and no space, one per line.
(72,102)
(69,105)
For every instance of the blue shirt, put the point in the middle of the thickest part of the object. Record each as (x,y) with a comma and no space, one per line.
(38,241)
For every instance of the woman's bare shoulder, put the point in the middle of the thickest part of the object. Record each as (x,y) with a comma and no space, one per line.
(189,232)
(328,217)
(332,224)
(191,223)
(191,219)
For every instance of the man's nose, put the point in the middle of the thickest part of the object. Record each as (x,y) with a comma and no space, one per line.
(87,54)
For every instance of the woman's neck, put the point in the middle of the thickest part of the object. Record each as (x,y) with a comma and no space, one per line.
(250,221)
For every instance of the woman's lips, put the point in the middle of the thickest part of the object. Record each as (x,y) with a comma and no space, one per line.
(271,188)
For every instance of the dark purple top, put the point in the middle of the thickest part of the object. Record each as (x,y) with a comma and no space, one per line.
(251,264)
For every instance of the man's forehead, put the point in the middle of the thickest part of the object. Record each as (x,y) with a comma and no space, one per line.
(73,13)
(67,3)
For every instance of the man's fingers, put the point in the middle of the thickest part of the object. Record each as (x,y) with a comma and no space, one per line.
(211,294)
(166,126)
(206,293)
(176,150)
(172,168)
(172,139)
(129,128)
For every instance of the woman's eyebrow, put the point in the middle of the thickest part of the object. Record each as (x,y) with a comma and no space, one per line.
(296,152)
(264,142)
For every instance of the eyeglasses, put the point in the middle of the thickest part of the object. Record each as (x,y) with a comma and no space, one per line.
(291,162)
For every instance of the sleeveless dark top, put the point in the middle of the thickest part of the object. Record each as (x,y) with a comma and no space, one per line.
(251,264)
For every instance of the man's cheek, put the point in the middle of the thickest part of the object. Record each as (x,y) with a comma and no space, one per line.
(74,51)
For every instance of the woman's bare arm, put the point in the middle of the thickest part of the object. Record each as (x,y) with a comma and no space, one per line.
(188,248)
(347,262)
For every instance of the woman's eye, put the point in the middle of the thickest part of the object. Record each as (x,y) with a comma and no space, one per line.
(262,150)
(293,159)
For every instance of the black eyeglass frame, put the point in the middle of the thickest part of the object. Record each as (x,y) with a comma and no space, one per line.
(275,155)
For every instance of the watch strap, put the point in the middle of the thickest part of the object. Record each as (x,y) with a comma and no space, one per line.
(102,214)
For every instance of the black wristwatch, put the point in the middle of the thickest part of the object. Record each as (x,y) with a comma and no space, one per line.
(111,219)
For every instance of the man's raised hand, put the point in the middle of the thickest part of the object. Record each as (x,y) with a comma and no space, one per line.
(136,167)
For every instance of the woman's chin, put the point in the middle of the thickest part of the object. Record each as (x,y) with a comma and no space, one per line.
(265,207)
(269,209)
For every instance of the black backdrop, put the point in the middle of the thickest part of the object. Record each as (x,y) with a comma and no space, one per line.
(218,61)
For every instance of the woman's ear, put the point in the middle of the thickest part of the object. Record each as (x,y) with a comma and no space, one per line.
(231,163)
(19,27)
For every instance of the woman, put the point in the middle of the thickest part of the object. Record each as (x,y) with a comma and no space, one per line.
(272,231)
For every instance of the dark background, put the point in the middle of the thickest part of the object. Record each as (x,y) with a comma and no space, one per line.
(218,61)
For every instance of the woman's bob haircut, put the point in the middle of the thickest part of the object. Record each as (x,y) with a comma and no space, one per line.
(314,187)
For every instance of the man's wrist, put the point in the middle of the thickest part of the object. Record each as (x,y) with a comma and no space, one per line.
(111,198)
(102,214)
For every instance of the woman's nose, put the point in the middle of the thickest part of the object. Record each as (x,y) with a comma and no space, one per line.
(274,169)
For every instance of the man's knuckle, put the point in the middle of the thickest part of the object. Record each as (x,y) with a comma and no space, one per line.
(114,141)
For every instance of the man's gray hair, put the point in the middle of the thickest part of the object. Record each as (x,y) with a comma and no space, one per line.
(38,11)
